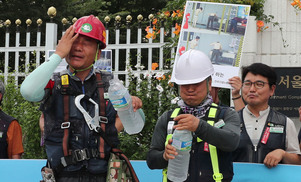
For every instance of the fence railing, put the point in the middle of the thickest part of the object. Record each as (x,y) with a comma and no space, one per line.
(18,59)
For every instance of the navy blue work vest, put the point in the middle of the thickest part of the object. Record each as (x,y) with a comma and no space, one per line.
(5,121)
(246,152)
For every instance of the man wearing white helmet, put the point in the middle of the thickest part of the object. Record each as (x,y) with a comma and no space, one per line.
(192,72)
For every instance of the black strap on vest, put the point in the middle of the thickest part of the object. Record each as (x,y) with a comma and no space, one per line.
(102,112)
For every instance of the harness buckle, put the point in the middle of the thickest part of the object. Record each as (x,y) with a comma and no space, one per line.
(63,161)
(218,176)
(103,119)
(65,125)
(81,154)
(95,153)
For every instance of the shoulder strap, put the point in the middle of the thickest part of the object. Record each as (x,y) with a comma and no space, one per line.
(212,117)
(170,130)
(171,123)
(102,111)
(66,124)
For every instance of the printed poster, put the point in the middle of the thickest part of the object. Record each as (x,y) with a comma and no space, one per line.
(218,30)
(105,61)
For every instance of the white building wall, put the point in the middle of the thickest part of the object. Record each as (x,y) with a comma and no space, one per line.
(270,49)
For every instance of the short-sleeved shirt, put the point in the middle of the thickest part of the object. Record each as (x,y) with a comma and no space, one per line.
(255,125)
(14,139)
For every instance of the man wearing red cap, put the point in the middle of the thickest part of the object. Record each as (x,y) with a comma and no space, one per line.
(75,150)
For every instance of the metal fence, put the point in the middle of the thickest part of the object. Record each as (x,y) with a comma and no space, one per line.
(18,59)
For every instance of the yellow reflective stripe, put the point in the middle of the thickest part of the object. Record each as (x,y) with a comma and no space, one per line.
(214,161)
(210,122)
(217,176)
(214,104)
(175,112)
(169,136)
(212,112)
(164,173)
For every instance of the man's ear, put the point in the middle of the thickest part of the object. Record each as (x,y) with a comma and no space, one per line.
(272,88)
(209,82)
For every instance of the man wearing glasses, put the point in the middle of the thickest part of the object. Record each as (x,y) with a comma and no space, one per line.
(267,136)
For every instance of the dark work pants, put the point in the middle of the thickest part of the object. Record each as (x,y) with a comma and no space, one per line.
(82,177)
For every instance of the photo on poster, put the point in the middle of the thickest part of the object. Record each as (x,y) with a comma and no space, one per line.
(218,30)
(105,61)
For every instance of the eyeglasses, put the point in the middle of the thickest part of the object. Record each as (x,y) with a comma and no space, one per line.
(257,84)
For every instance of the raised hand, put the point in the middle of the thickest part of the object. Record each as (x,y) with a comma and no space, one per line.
(64,46)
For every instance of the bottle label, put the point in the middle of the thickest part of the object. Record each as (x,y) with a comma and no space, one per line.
(181,145)
(119,103)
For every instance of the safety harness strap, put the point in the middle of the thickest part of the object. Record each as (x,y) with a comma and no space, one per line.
(217,176)
(65,126)
(71,157)
(170,125)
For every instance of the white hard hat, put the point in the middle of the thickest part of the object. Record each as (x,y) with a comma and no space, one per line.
(192,67)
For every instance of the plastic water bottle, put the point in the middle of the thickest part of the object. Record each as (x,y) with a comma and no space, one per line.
(133,122)
(177,169)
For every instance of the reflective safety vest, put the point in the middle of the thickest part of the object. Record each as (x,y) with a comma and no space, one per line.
(212,116)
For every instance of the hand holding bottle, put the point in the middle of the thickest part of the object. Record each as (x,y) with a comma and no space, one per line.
(170,152)
(178,167)
(126,106)
(187,122)
(137,103)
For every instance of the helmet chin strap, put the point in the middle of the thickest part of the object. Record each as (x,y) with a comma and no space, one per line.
(76,71)
(207,84)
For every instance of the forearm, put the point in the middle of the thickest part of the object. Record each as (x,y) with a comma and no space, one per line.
(155,158)
(238,104)
(291,158)
(32,88)
(118,124)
